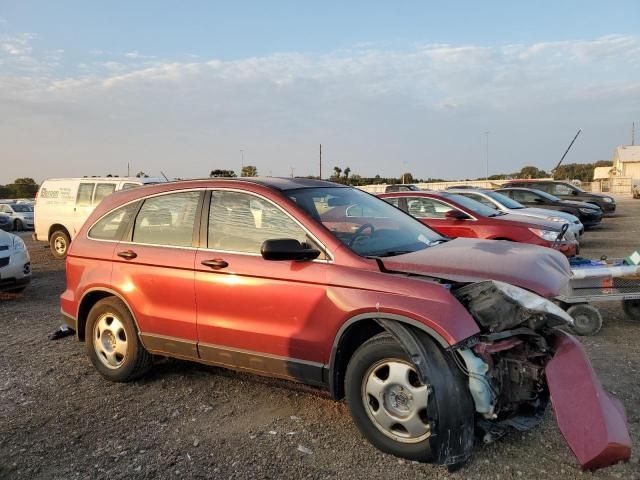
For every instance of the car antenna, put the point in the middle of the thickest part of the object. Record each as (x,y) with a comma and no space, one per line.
(165,177)
(566,151)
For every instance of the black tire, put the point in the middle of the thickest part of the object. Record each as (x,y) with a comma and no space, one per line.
(17,225)
(135,361)
(587,319)
(59,243)
(449,404)
(632,309)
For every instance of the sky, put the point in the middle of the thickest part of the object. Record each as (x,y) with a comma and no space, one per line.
(87,88)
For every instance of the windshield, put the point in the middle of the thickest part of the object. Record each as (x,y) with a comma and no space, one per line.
(21,208)
(367,225)
(470,204)
(504,200)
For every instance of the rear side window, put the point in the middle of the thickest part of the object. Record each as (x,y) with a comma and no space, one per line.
(240,222)
(113,225)
(423,207)
(523,196)
(102,190)
(167,220)
(85,193)
(560,189)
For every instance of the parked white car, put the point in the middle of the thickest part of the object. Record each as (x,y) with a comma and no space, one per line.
(63,204)
(500,202)
(15,264)
(21,215)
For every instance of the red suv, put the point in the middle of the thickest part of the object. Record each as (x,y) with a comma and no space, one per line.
(458,216)
(429,340)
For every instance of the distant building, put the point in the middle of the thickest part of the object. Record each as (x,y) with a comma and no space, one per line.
(626,162)
(603,173)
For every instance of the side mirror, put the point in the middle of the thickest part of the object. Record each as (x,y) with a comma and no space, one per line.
(287,249)
(456,215)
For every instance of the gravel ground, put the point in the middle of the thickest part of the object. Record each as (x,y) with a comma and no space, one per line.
(60,419)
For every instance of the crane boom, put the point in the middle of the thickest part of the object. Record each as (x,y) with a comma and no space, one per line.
(567,150)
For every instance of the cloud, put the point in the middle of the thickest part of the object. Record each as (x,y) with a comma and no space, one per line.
(135,55)
(370,106)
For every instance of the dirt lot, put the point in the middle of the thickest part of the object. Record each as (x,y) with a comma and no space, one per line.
(60,419)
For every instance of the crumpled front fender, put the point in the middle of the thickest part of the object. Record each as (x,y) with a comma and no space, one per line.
(593,423)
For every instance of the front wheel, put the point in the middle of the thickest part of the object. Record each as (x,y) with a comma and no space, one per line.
(112,342)
(18,226)
(396,411)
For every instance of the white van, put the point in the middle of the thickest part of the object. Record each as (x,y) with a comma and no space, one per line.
(63,204)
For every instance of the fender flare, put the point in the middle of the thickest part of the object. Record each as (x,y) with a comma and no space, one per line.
(458,419)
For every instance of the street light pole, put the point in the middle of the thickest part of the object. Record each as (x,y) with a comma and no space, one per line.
(241,159)
(487,145)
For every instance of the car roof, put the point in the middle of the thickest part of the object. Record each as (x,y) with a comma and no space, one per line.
(275,183)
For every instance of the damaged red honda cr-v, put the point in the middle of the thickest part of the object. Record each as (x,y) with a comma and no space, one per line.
(431,341)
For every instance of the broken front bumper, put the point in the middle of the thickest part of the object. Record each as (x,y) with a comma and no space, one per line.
(593,424)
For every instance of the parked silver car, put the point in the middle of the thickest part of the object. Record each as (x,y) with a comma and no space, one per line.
(21,215)
(15,264)
(500,202)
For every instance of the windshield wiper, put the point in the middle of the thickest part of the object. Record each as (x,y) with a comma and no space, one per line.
(389,253)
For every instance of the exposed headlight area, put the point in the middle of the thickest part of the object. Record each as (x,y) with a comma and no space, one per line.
(18,244)
(498,306)
(548,235)
(557,219)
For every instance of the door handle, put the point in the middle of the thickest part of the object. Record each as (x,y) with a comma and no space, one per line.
(128,254)
(216,263)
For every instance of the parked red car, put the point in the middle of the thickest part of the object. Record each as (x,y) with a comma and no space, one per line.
(267,276)
(458,216)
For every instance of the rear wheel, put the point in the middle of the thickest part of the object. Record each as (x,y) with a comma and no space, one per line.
(395,410)
(587,319)
(632,308)
(59,243)
(112,342)
(17,225)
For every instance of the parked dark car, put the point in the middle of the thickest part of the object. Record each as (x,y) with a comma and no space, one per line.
(568,191)
(260,275)
(401,187)
(588,213)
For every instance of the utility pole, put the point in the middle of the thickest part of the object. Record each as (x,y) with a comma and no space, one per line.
(241,159)
(292,170)
(633,133)
(128,169)
(320,176)
(487,148)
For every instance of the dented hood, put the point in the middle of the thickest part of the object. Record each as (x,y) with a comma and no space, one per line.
(538,269)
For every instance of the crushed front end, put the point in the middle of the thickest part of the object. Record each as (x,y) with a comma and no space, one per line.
(521,360)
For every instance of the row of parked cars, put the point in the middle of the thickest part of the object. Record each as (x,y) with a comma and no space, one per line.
(516,212)
(433,341)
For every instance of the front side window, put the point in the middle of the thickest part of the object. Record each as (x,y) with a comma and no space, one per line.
(479,198)
(85,194)
(241,222)
(113,225)
(383,230)
(102,190)
(167,220)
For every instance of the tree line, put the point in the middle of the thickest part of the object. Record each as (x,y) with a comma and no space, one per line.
(20,188)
